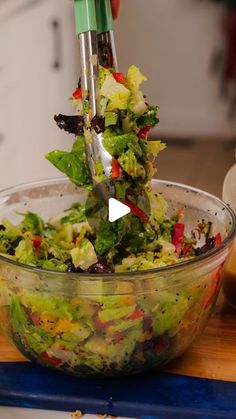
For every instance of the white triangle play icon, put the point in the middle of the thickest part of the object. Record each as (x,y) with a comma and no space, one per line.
(116,210)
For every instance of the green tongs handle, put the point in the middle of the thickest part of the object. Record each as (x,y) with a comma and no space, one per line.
(104,16)
(93,15)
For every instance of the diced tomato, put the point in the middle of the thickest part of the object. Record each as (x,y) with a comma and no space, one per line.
(186,249)
(37,241)
(143,132)
(77,93)
(178,236)
(218,239)
(137,314)
(119,77)
(115,169)
(136,210)
(52,359)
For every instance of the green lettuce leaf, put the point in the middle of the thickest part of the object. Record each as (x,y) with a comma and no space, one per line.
(134,78)
(76,215)
(154,147)
(118,144)
(149,118)
(117,93)
(54,265)
(73,164)
(32,222)
(106,237)
(115,313)
(25,252)
(84,255)
(51,305)
(37,339)
(130,164)
(110,119)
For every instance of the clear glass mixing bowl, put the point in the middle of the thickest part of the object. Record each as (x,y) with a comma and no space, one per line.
(110,324)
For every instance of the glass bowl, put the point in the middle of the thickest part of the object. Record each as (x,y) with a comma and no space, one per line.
(110,324)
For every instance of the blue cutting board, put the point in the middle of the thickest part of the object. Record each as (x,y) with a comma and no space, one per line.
(159,395)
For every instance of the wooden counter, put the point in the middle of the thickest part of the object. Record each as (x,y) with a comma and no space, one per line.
(212,356)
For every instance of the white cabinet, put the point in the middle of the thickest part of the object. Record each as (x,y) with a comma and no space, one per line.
(38,72)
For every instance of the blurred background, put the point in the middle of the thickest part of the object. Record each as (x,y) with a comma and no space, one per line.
(187,49)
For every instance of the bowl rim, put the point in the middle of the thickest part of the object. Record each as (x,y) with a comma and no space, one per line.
(93,276)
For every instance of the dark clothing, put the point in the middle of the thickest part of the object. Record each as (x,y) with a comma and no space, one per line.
(231,4)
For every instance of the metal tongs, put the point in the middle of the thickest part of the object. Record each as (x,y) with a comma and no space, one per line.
(94,27)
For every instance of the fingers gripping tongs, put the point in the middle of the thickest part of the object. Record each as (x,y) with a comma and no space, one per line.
(94,28)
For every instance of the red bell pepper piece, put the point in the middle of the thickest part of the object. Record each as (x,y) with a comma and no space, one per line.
(186,249)
(218,239)
(143,132)
(77,93)
(136,210)
(115,169)
(119,77)
(37,241)
(178,236)
(137,314)
(52,359)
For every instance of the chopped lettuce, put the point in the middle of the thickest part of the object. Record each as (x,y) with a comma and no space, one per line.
(117,144)
(48,304)
(171,310)
(116,313)
(110,119)
(10,239)
(75,215)
(106,237)
(154,147)
(32,222)
(73,164)
(130,164)
(134,78)
(148,118)
(54,265)
(84,255)
(159,207)
(25,252)
(117,93)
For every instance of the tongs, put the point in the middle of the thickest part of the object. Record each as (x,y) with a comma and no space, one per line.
(94,27)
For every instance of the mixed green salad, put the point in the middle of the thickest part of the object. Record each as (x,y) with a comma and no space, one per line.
(138,241)
(106,326)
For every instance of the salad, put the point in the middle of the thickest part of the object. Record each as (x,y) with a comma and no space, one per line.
(108,327)
(138,241)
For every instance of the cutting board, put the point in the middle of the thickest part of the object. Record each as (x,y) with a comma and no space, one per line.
(202,383)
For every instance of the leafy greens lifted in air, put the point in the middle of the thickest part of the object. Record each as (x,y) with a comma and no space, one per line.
(124,119)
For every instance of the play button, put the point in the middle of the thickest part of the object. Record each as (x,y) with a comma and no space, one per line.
(116,210)
(106,203)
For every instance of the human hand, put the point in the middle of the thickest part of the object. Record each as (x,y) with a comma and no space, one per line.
(115,6)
